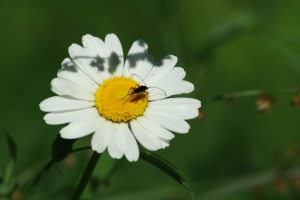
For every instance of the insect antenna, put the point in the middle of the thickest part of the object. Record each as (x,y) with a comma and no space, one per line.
(123,97)
(137,76)
(159,89)
(147,86)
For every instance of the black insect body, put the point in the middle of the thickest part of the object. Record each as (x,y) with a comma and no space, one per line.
(138,89)
(135,91)
(141,88)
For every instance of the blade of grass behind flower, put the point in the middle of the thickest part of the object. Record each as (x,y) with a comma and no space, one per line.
(8,182)
(12,147)
(168,168)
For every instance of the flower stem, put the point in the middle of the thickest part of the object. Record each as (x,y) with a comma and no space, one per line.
(81,149)
(86,176)
(253,93)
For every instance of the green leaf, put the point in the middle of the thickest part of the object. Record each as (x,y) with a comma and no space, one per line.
(168,168)
(12,147)
(61,148)
(7,180)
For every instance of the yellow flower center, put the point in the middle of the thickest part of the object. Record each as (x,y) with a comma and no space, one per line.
(115,101)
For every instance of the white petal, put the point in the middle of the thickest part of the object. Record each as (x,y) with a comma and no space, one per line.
(180,112)
(170,84)
(64,117)
(91,64)
(82,126)
(189,102)
(131,148)
(176,74)
(101,137)
(116,145)
(102,52)
(115,55)
(155,128)
(138,61)
(72,73)
(56,103)
(165,143)
(170,88)
(94,45)
(142,68)
(64,87)
(146,138)
(169,122)
(184,108)
(97,47)
(160,69)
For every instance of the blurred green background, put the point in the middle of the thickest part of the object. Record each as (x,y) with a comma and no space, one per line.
(234,152)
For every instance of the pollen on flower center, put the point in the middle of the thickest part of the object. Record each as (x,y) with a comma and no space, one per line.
(115,102)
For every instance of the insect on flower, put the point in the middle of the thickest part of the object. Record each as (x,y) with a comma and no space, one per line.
(140,88)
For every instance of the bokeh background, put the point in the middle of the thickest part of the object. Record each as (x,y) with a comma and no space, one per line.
(233,150)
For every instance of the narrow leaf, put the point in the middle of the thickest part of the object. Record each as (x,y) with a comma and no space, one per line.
(8,183)
(61,148)
(12,147)
(168,168)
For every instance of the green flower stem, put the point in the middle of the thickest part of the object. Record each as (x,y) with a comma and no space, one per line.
(258,92)
(86,176)
(81,149)
(253,93)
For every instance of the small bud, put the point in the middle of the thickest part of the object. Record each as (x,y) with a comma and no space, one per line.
(296,101)
(229,102)
(70,161)
(296,183)
(201,115)
(16,195)
(264,103)
(281,186)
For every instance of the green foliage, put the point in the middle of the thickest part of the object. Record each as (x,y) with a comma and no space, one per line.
(8,180)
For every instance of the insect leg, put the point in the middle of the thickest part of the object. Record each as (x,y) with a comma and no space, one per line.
(128,92)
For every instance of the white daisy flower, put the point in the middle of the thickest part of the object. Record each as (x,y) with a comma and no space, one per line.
(121,103)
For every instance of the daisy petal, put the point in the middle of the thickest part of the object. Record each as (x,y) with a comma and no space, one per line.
(172,88)
(102,52)
(91,64)
(169,122)
(131,148)
(64,117)
(96,45)
(64,87)
(116,145)
(138,61)
(186,102)
(156,129)
(73,74)
(101,137)
(56,103)
(176,74)
(160,69)
(115,54)
(146,138)
(165,143)
(184,108)
(82,126)
(180,112)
